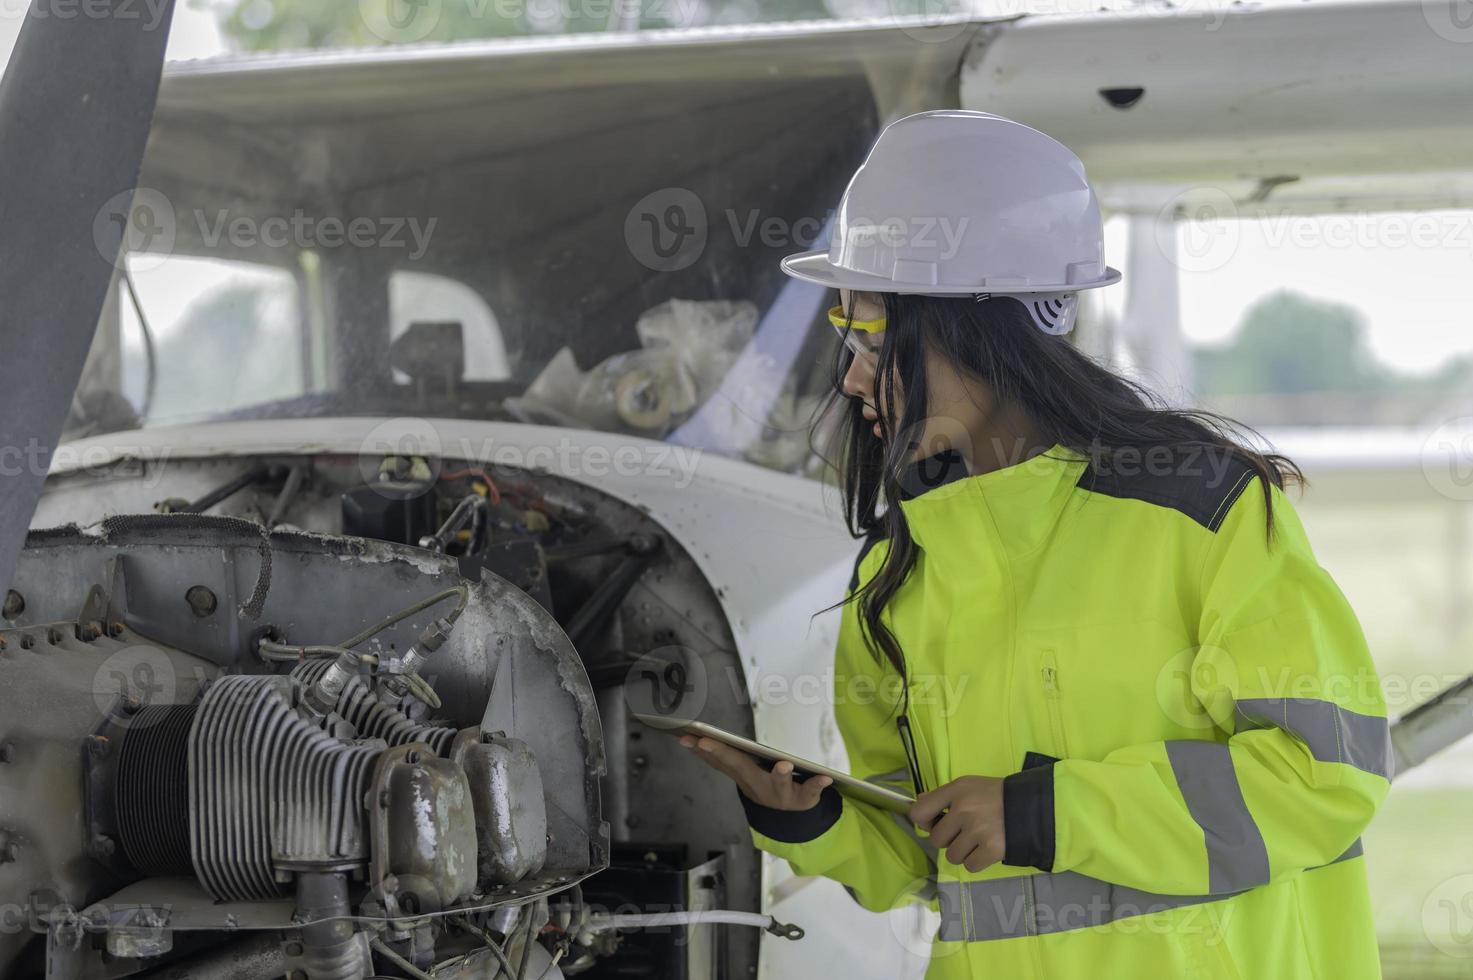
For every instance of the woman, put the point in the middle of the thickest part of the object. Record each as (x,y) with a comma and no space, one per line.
(1141,722)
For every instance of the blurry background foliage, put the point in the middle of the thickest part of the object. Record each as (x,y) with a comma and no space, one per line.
(276,25)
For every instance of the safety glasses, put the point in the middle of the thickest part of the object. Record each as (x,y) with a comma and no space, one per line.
(858,335)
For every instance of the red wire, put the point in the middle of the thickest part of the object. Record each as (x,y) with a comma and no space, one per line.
(491,488)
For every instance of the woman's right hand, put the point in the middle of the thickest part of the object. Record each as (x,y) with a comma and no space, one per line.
(776,789)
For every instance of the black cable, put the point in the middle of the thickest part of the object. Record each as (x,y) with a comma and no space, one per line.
(227,489)
(151,384)
(490,942)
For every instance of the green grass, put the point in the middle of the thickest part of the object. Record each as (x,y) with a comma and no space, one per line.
(1416,849)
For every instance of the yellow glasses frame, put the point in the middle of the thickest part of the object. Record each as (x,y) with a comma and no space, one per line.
(847,330)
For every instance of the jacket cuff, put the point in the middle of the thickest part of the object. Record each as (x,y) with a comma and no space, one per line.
(794,826)
(1028,818)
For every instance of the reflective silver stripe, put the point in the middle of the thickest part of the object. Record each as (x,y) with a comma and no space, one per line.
(1040,904)
(924,843)
(1035,905)
(1332,733)
(900,779)
(895,779)
(1237,857)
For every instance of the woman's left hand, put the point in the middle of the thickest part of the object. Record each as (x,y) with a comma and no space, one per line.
(971,829)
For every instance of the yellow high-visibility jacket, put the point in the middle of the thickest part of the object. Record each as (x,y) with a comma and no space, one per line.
(1189,724)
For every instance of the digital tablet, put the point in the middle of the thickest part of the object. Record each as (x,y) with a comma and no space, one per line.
(850,786)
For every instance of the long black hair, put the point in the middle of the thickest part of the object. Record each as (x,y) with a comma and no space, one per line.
(1069,399)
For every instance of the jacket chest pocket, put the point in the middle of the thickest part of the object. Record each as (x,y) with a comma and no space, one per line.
(918,771)
(1052,690)
(1091,690)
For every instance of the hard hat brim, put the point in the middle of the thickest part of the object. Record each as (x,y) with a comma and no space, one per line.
(815,267)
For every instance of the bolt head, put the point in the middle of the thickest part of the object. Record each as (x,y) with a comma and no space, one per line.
(202,601)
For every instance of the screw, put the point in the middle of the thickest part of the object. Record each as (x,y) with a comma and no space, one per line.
(294,949)
(15,604)
(201,601)
(97,745)
(115,630)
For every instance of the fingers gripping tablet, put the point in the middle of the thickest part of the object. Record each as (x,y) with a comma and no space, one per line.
(850,786)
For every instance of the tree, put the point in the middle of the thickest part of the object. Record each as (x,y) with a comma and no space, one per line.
(276,25)
(1291,343)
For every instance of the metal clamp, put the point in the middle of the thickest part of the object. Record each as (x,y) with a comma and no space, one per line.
(785,931)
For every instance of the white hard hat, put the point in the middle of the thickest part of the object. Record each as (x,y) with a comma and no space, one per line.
(953,203)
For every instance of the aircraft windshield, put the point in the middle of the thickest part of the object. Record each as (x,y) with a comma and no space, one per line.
(499,285)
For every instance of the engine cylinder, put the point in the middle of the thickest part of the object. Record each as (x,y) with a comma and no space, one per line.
(374,719)
(271,792)
(151,789)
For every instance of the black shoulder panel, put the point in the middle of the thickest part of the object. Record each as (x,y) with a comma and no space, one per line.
(875,536)
(1199,483)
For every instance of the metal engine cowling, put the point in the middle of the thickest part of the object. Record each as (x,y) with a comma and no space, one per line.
(216,799)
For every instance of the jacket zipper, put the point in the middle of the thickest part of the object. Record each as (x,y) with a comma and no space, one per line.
(1055,705)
